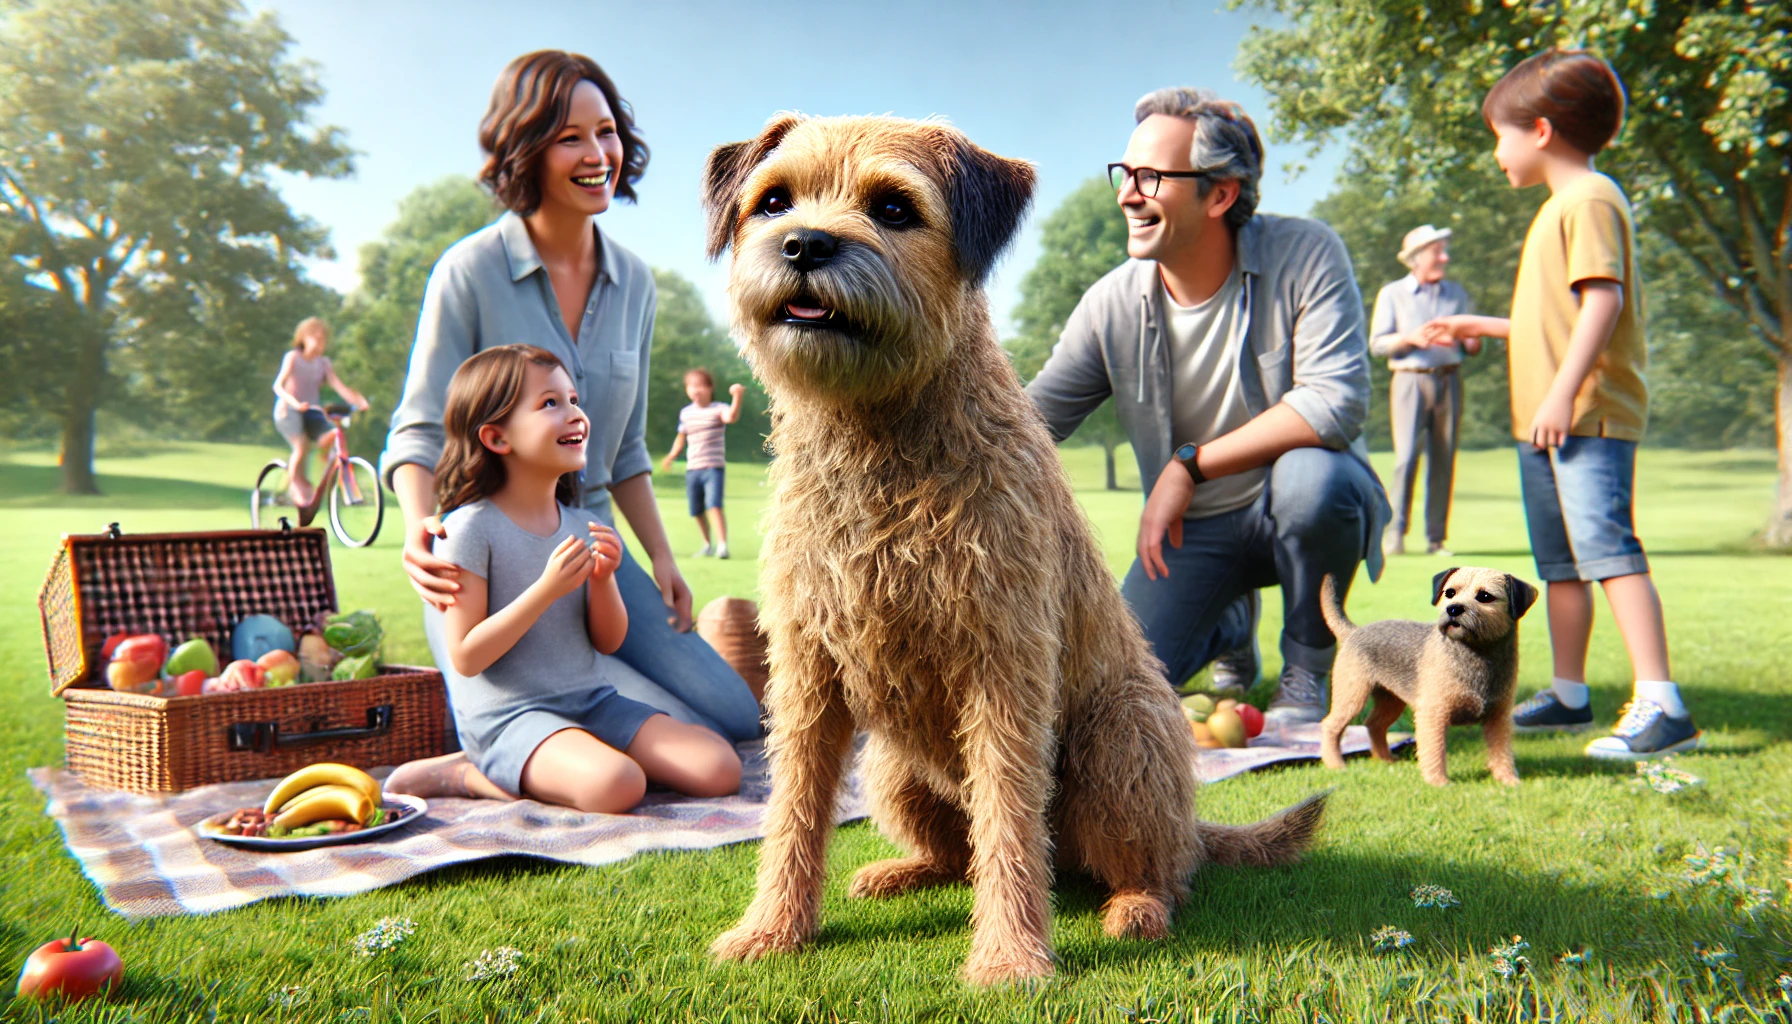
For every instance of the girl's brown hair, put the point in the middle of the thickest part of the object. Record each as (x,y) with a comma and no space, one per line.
(486,389)
(1579,93)
(529,104)
(306,326)
(701,374)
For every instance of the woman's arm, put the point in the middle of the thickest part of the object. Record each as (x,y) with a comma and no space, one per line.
(634,498)
(280,385)
(475,641)
(606,617)
(1600,303)
(677,446)
(433,578)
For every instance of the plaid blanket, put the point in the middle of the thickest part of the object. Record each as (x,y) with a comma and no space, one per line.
(146,859)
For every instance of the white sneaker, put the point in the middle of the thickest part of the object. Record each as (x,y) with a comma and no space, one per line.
(722,551)
(703,552)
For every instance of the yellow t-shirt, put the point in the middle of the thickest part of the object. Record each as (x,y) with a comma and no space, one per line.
(1583,233)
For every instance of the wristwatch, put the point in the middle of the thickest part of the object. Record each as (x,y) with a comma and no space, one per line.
(1185,454)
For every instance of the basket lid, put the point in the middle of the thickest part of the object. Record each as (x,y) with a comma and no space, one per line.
(176,585)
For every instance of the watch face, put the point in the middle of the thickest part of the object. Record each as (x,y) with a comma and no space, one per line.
(1185,452)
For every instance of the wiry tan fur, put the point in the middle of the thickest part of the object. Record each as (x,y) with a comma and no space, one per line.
(927,576)
(1460,670)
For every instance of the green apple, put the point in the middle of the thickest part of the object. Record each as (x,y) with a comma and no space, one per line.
(195,654)
(1197,707)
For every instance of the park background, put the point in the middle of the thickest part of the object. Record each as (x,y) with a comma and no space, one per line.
(181,182)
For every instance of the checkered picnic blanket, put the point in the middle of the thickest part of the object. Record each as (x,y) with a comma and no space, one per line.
(147,861)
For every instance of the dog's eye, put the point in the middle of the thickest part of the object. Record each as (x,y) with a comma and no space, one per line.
(775,204)
(893,210)
(1451,592)
(1484,597)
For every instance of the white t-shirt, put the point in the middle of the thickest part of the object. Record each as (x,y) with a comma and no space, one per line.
(1206,398)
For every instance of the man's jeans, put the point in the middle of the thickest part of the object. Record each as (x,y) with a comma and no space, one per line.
(1313,520)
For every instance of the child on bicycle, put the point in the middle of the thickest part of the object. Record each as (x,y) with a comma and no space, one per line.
(1579,401)
(526,645)
(298,414)
(702,425)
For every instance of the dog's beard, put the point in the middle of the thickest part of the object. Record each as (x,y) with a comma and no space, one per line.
(866,348)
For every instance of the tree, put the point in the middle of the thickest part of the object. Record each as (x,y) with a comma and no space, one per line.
(28,353)
(1706,152)
(137,141)
(378,325)
(1084,238)
(684,337)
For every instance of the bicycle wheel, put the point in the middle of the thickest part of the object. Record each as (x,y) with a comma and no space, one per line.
(357,503)
(270,487)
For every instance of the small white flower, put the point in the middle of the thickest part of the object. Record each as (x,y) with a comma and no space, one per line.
(1434,896)
(1389,939)
(493,964)
(386,934)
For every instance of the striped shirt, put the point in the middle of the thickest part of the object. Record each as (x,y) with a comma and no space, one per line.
(702,428)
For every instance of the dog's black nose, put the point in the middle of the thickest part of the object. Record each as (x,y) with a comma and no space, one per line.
(1453,610)
(809,248)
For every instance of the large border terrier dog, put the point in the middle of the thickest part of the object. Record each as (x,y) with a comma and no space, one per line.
(926,575)
(1461,670)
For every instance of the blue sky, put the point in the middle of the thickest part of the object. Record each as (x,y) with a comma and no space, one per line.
(1053,83)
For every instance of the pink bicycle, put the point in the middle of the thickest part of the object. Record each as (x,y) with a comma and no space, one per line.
(357,502)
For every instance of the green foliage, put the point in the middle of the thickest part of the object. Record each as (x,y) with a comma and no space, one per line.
(137,146)
(373,342)
(685,337)
(1083,239)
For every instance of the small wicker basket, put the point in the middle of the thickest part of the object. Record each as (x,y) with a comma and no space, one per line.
(182,585)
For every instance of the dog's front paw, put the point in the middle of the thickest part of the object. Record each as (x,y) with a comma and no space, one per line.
(1135,915)
(750,942)
(998,964)
(898,875)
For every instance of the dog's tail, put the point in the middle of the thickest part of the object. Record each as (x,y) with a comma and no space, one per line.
(1333,609)
(1278,839)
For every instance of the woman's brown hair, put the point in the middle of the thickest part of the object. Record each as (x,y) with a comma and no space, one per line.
(1579,93)
(484,390)
(529,104)
(306,326)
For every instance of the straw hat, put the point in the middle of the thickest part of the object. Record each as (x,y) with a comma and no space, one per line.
(1418,238)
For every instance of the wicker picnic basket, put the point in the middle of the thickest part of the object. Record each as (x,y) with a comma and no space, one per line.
(183,585)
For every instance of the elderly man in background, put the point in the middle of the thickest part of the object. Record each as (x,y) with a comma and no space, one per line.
(1426,405)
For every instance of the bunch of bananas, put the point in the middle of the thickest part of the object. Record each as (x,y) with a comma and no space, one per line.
(323,792)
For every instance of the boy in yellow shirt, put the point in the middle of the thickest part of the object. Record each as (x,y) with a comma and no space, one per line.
(1579,402)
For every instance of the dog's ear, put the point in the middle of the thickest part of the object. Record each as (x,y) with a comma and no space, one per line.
(1519,596)
(727,170)
(989,194)
(1438,581)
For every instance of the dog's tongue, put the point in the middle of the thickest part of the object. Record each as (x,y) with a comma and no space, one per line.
(805,312)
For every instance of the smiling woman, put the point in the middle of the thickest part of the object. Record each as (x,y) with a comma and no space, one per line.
(560,143)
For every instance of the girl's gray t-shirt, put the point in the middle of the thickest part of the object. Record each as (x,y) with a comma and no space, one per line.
(555,656)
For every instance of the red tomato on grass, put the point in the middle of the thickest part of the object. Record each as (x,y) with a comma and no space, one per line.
(73,970)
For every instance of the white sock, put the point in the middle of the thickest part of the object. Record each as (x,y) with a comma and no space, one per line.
(1572,694)
(1664,693)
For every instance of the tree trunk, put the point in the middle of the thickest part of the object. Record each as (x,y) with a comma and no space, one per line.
(82,397)
(1779,527)
(1113,480)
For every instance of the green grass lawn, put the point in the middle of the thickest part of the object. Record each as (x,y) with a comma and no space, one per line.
(1579,857)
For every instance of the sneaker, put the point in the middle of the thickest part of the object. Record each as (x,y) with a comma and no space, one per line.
(1236,670)
(1300,698)
(1437,548)
(721,551)
(1645,731)
(703,552)
(1545,712)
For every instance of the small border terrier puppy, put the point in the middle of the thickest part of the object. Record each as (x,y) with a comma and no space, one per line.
(1459,671)
(927,576)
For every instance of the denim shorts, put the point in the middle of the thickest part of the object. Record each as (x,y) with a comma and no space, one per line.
(1577,506)
(312,423)
(703,488)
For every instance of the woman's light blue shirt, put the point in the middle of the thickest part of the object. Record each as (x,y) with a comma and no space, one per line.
(491,289)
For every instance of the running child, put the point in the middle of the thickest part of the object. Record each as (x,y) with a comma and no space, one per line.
(702,424)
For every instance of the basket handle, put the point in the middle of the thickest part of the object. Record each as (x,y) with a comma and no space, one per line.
(266,737)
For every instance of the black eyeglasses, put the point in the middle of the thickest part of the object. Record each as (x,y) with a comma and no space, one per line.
(1145,179)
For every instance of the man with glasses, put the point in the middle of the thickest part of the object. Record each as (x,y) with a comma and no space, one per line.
(1232,344)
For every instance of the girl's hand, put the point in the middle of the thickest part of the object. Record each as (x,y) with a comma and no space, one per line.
(432,578)
(736,390)
(666,463)
(675,592)
(606,551)
(567,569)
(1554,418)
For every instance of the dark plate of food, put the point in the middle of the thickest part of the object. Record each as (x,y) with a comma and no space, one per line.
(250,827)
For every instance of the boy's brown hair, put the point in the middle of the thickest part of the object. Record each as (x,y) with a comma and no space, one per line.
(1575,90)
(703,375)
(484,390)
(529,104)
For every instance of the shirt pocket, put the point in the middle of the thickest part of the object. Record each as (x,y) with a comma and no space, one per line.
(1272,370)
(620,393)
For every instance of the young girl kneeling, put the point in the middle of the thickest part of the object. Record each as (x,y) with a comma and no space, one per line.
(529,635)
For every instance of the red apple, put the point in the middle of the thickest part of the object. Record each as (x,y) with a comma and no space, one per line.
(73,970)
(280,668)
(1253,719)
(136,665)
(190,684)
(240,675)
